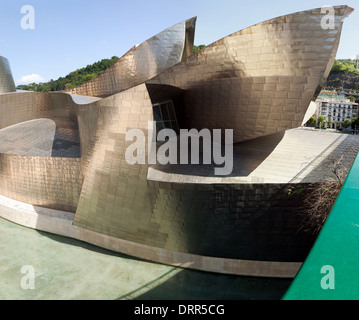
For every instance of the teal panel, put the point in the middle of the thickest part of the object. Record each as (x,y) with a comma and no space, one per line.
(337,246)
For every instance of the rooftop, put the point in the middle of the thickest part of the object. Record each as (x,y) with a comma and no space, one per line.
(42,137)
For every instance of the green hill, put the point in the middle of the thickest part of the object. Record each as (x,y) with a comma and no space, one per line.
(344,76)
(73,79)
(78,77)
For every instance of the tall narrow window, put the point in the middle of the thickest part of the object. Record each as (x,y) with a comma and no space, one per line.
(165,116)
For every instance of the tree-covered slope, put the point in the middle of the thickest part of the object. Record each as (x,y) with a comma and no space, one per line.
(78,77)
(344,76)
(73,79)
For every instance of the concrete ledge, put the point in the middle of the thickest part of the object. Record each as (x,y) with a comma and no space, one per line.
(60,223)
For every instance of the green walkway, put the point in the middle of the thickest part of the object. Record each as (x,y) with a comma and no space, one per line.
(67,269)
(331,271)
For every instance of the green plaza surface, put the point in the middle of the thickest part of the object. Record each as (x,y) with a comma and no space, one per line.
(67,269)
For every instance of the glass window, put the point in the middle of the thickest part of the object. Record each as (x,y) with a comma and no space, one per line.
(167,124)
(157,113)
(175,126)
(165,116)
(159,125)
(171,111)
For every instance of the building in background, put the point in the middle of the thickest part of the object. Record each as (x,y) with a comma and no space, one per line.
(336,109)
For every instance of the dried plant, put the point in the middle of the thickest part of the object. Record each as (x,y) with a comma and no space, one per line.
(320,197)
(318,204)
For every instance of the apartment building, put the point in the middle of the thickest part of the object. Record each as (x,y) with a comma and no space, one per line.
(336,109)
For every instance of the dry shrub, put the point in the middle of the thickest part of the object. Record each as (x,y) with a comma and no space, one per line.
(318,203)
(320,197)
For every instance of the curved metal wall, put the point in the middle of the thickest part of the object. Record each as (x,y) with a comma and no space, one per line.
(7,83)
(118,200)
(25,106)
(259,80)
(50,182)
(143,62)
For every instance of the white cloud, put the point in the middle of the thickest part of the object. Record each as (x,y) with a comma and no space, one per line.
(31,78)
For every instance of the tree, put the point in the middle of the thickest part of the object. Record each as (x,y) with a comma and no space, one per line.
(346,123)
(73,79)
(354,123)
(197,48)
(351,98)
(320,121)
(343,66)
(311,122)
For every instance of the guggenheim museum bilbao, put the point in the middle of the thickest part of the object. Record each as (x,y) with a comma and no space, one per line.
(62,154)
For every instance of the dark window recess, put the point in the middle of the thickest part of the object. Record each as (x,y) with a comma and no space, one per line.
(157,113)
(165,116)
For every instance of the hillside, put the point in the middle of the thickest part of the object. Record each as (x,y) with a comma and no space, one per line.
(344,76)
(343,81)
(73,79)
(79,76)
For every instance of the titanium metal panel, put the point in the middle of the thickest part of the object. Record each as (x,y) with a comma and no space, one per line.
(259,80)
(7,83)
(143,62)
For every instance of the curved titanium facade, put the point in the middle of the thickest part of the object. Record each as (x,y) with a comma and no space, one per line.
(7,83)
(143,62)
(221,88)
(258,82)
(52,182)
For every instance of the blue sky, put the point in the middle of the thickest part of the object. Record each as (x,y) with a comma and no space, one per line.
(72,34)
